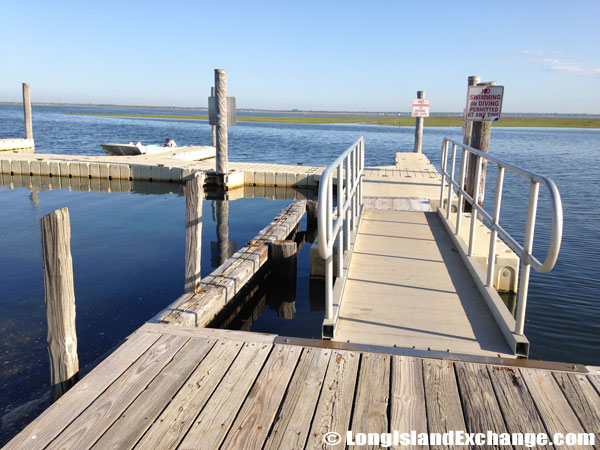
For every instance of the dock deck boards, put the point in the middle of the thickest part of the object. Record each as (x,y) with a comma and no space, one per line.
(176,387)
(407,286)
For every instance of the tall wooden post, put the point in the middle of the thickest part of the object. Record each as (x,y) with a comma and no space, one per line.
(221,104)
(419,128)
(194,193)
(59,295)
(213,127)
(27,112)
(480,139)
(223,230)
(470,167)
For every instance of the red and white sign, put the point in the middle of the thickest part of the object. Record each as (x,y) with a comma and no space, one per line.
(420,107)
(484,103)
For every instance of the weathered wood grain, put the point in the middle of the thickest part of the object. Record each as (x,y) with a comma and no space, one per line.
(62,412)
(27,111)
(444,411)
(213,423)
(336,399)
(254,420)
(407,397)
(59,295)
(209,333)
(595,380)
(101,414)
(133,423)
(179,415)
(481,410)
(293,421)
(555,412)
(372,396)
(221,104)
(583,398)
(516,405)
(194,192)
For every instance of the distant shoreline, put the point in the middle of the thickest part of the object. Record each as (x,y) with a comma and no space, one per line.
(386,114)
(436,121)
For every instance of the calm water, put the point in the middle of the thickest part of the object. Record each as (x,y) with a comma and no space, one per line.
(128,247)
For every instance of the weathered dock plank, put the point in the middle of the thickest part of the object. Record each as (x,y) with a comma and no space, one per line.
(555,412)
(177,389)
(136,419)
(254,420)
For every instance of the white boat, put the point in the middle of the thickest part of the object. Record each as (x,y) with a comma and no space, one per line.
(132,149)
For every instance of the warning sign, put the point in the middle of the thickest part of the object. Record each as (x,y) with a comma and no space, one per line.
(484,103)
(420,107)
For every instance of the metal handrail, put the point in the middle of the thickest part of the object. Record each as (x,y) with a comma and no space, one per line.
(349,207)
(524,251)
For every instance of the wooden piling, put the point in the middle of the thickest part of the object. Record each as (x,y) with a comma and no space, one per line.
(480,139)
(213,127)
(418,148)
(59,295)
(282,254)
(194,193)
(312,210)
(27,112)
(473,80)
(221,127)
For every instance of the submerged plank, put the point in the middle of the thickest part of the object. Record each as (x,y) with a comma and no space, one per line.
(254,420)
(335,402)
(481,410)
(516,405)
(61,413)
(133,423)
(211,426)
(557,415)
(444,411)
(101,414)
(372,395)
(292,424)
(173,423)
(407,400)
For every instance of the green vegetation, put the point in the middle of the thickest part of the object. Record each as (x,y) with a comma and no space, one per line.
(384,120)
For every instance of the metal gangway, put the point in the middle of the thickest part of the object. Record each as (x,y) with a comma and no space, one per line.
(347,226)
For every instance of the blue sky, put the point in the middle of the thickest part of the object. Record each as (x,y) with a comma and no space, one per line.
(327,55)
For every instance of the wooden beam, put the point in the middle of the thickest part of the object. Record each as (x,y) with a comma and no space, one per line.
(59,295)
(221,103)
(27,111)
(194,192)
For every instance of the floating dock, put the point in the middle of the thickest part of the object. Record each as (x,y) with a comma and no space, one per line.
(180,387)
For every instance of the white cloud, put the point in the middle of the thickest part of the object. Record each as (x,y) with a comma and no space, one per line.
(572,68)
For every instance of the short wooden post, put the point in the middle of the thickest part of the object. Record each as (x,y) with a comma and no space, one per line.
(221,127)
(470,167)
(282,255)
(312,209)
(59,295)
(213,127)
(480,139)
(27,112)
(419,128)
(194,193)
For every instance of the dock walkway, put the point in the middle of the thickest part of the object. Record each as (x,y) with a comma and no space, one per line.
(178,387)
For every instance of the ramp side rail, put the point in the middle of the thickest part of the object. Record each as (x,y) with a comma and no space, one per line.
(524,251)
(348,167)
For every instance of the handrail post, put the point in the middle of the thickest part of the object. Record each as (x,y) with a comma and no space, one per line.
(525,263)
(351,188)
(329,260)
(461,184)
(347,211)
(474,212)
(445,145)
(340,218)
(494,233)
(450,184)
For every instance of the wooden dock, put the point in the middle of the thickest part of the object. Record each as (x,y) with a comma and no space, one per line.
(179,387)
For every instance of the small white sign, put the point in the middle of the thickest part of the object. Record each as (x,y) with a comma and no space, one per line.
(484,103)
(420,107)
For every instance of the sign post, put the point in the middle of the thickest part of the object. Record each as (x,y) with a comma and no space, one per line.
(420,110)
